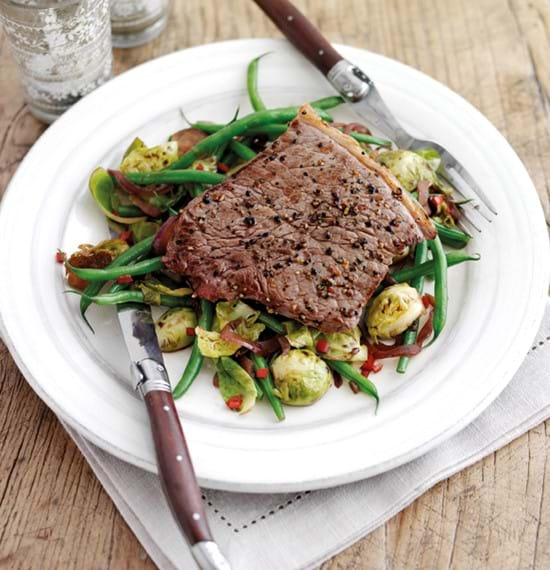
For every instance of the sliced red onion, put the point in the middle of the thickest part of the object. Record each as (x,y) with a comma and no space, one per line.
(164,235)
(145,207)
(247,364)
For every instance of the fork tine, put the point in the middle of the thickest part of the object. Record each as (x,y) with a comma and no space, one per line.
(467,220)
(467,192)
(467,177)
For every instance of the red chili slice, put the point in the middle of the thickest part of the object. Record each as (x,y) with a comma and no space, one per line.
(223,168)
(322,345)
(60,257)
(123,279)
(190,331)
(235,402)
(262,373)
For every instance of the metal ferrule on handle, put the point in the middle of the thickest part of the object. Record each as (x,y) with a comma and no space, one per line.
(150,375)
(209,556)
(349,81)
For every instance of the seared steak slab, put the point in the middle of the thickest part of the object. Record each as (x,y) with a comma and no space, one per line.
(308,228)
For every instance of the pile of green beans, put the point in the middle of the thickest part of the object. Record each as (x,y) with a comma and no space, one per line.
(194,364)
(420,257)
(275,130)
(236,128)
(268,388)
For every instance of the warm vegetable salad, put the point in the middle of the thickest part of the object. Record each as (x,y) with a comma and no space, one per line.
(258,354)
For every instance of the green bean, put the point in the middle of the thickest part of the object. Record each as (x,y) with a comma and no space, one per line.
(175,177)
(428,268)
(241,150)
(134,297)
(440,286)
(139,268)
(259,389)
(267,385)
(234,129)
(128,211)
(274,130)
(347,371)
(272,323)
(138,250)
(368,139)
(194,364)
(252,84)
(327,102)
(421,256)
(453,237)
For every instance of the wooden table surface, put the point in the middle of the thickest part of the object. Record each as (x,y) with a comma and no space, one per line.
(496,514)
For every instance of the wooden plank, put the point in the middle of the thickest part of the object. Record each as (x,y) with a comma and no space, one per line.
(496,514)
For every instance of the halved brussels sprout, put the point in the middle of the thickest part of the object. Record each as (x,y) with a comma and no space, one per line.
(152,289)
(212,345)
(409,168)
(236,385)
(172,329)
(144,159)
(102,188)
(346,346)
(247,327)
(300,377)
(144,229)
(393,311)
(300,336)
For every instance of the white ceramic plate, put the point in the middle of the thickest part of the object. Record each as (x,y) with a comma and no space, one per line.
(495,305)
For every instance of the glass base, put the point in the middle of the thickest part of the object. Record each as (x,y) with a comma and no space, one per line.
(133,39)
(45,116)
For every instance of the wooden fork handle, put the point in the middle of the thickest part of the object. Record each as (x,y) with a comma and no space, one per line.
(302,33)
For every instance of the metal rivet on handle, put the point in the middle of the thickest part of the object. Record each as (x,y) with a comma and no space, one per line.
(196,516)
(179,457)
(290,18)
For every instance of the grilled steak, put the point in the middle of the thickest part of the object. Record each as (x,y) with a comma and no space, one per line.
(308,228)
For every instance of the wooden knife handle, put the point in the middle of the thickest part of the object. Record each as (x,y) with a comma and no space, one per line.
(175,468)
(302,33)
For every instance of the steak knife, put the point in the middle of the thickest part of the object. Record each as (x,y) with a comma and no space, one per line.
(177,476)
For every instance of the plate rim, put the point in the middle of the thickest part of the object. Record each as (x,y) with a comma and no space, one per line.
(321,482)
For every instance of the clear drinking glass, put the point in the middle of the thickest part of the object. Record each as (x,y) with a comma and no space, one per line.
(62,49)
(136,22)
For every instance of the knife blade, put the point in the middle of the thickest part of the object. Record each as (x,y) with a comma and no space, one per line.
(176,471)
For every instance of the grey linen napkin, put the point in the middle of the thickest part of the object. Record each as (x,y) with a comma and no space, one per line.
(275,531)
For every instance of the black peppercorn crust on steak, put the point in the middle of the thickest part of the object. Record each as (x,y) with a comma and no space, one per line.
(308,228)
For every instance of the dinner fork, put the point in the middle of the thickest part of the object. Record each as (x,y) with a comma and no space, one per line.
(359,90)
